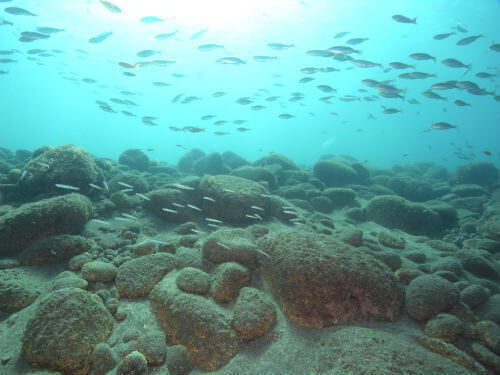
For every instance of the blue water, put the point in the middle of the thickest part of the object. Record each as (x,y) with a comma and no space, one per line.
(39,105)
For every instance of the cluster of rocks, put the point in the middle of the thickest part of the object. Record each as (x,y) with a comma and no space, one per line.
(342,243)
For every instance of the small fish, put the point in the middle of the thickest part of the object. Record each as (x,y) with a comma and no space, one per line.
(461,103)
(319,53)
(421,75)
(177,98)
(228,190)
(265,58)
(355,41)
(151,19)
(193,207)
(349,98)
(218,94)
(443,126)
(257,208)
(100,221)
(23,174)
(486,152)
(193,129)
(199,33)
(404,19)
(68,187)
(244,101)
(443,36)
(448,85)
(468,40)
(127,65)
(127,190)
(125,185)
(365,63)
(49,30)
(207,117)
(166,36)
(42,164)
(280,46)
(391,111)
(460,28)
(210,47)
(421,56)
(213,220)
(342,50)
(29,36)
(157,242)
(229,60)
(18,11)
(95,186)
(147,53)
(257,107)
(485,75)
(169,210)
(251,216)
(5,22)
(495,47)
(433,95)
(239,122)
(243,129)
(326,88)
(118,218)
(178,205)
(304,80)
(182,187)
(101,37)
(129,74)
(400,65)
(341,34)
(209,199)
(142,196)
(113,8)
(454,63)
(190,99)
(286,116)
(129,216)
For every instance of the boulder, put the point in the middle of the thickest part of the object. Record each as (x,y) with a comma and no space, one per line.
(135,159)
(428,295)
(334,173)
(53,249)
(257,174)
(312,274)
(233,160)
(480,172)
(66,327)
(195,322)
(209,164)
(67,165)
(185,163)
(283,161)
(395,212)
(31,222)
(232,198)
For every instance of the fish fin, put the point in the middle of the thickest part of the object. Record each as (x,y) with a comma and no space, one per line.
(467,70)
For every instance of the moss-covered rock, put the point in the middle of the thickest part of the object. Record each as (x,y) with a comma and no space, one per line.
(53,249)
(480,172)
(134,158)
(257,174)
(67,164)
(33,222)
(66,327)
(334,173)
(312,274)
(395,212)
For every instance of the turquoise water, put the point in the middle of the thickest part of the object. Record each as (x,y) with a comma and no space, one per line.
(45,101)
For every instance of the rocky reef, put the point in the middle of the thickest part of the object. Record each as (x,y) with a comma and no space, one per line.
(223,264)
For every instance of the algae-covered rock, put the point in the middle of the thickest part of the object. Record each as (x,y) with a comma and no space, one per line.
(66,327)
(395,212)
(312,274)
(334,173)
(479,172)
(234,198)
(33,222)
(67,164)
(195,322)
(135,159)
(53,249)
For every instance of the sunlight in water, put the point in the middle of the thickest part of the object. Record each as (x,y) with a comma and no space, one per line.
(215,13)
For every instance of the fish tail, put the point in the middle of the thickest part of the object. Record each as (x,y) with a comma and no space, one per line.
(467,70)
(414,21)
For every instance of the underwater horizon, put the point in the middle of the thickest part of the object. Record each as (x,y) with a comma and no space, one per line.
(54,84)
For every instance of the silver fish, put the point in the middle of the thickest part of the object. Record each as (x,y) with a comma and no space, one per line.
(404,19)
(468,40)
(230,60)
(101,37)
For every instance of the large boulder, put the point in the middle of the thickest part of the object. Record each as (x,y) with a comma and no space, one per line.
(395,212)
(67,165)
(185,163)
(65,214)
(232,198)
(428,295)
(479,172)
(410,188)
(233,160)
(53,249)
(257,174)
(134,158)
(66,327)
(195,322)
(283,161)
(321,282)
(334,173)
(209,164)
